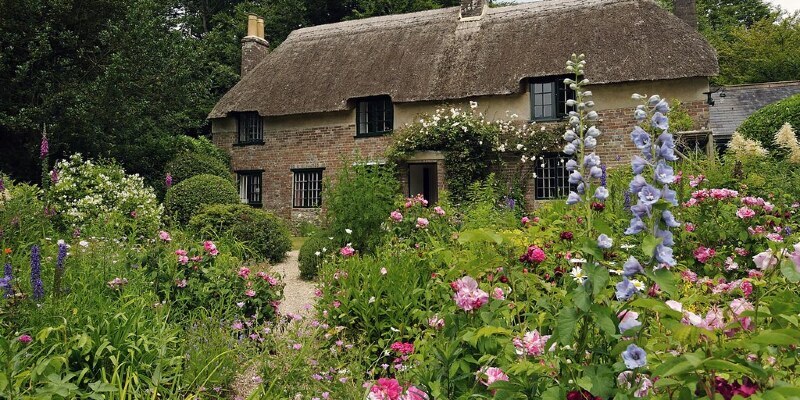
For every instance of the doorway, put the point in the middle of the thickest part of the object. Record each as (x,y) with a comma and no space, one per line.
(423,179)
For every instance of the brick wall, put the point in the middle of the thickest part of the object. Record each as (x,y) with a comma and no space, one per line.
(325,147)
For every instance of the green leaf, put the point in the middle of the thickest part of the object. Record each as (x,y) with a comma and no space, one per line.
(480,236)
(565,325)
(581,298)
(725,365)
(789,270)
(665,280)
(604,320)
(602,227)
(649,245)
(598,276)
(774,338)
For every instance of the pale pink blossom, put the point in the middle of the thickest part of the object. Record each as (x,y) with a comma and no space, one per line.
(250,293)
(347,251)
(468,296)
(210,247)
(422,223)
(490,375)
(765,260)
(745,212)
(531,344)
(498,294)
(439,211)
(164,235)
(396,216)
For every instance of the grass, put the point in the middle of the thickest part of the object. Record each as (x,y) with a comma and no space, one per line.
(297,242)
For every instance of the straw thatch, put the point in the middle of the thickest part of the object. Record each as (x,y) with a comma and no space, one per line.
(431,55)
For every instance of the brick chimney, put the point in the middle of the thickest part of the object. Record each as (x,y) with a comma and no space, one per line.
(254,47)
(472,9)
(686,10)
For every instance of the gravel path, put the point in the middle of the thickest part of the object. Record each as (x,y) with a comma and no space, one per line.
(298,294)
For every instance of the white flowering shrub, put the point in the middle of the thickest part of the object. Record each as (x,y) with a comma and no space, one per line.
(84,193)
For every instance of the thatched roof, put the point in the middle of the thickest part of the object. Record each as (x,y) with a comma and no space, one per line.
(431,55)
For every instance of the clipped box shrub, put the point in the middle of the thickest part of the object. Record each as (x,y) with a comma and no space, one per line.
(186,198)
(312,253)
(190,163)
(264,235)
(764,123)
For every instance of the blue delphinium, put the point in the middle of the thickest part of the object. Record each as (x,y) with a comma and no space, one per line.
(36,273)
(625,289)
(634,357)
(62,254)
(9,278)
(652,176)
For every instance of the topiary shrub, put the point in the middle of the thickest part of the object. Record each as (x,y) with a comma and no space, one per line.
(763,124)
(190,163)
(313,252)
(264,235)
(186,198)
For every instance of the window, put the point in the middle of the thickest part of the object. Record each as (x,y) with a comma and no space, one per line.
(250,187)
(374,116)
(549,98)
(251,129)
(307,188)
(551,176)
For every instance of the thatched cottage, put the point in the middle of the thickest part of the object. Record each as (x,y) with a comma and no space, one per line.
(337,89)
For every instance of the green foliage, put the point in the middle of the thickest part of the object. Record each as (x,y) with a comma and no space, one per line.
(88,192)
(188,164)
(679,118)
(359,200)
(313,252)
(263,234)
(186,198)
(764,123)
(201,145)
(22,215)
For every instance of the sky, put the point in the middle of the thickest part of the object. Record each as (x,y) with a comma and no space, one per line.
(789,5)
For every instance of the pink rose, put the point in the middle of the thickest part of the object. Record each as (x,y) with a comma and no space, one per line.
(347,251)
(525,220)
(244,272)
(210,247)
(531,344)
(703,254)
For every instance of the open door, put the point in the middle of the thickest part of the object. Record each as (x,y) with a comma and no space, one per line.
(423,179)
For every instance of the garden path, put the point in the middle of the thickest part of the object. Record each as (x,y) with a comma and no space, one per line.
(298,294)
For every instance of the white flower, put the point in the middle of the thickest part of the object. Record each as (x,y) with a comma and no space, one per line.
(371,299)
(83,243)
(577,260)
(578,275)
(317,253)
(348,231)
(638,285)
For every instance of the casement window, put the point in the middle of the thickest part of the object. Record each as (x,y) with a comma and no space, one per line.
(374,116)
(307,188)
(551,178)
(250,187)
(549,98)
(251,128)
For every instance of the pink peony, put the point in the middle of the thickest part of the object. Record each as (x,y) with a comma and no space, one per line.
(534,254)
(498,294)
(422,223)
(25,339)
(439,211)
(347,251)
(703,254)
(210,247)
(490,375)
(244,272)
(468,296)
(164,235)
(745,212)
(396,216)
(385,389)
(531,344)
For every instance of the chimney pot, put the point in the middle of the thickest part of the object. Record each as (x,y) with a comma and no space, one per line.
(252,25)
(254,47)
(260,28)
(472,9)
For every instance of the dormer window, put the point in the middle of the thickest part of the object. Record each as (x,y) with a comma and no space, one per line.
(549,98)
(374,116)
(251,128)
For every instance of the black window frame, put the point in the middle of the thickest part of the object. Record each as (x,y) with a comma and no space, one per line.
(312,192)
(554,173)
(557,98)
(255,200)
(244,136)
(379,114)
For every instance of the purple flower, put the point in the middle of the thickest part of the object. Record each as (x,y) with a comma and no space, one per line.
(660,121)
(640,138)
(604,176)
(637,183)
(626,203)
(575,178)
(625,289)
(604,242)
(632,267)
(573,198)
(634,357)
(649,194)
(168,180)
(669,219)
(666,237)
(669,195)
(36,273)
(9,278)
(54,176)
(601,193)
(636,226)
(641,209)
(571,165)
(662,106)
(664,173)
(596,172)
(569,149)
(591,160)
(44,148)
(664,255)
(2,185)
(638,164)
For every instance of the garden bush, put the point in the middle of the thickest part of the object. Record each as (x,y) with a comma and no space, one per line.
(357,203)
(189,163)
(84,192)
(313,252)
(200,145)
(23,218)
(763,124)
(186,198)
(263,234)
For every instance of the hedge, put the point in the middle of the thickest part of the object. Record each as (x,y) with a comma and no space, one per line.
(186,198)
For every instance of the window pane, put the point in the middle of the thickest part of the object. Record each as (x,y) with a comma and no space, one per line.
(552,179)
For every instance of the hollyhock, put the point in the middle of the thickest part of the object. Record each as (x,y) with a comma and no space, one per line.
(634,357)
(490,375)
(627,320)
(385,389)
(531,344)
(396,216)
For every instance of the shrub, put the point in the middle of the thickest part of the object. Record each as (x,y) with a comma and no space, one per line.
(22,215)
(763,124)
(86,193)
(312,253)
(186,198)
(264,234)
(201,145)
(189,163)
(360,201)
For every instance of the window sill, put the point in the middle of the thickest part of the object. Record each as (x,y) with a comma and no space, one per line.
(560,119)
(253,143)
(371,134)
(306,208)
(255,205)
